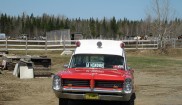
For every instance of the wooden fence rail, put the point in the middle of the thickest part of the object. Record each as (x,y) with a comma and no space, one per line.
(70,44)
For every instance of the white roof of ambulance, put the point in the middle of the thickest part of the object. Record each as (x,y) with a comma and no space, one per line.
(109,47)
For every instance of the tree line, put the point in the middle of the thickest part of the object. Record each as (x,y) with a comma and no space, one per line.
(35,26)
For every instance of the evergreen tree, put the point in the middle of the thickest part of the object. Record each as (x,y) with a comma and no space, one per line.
(114,27)
(92,27)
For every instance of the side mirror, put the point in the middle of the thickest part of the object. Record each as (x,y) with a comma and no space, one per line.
(66,66)
(129,68)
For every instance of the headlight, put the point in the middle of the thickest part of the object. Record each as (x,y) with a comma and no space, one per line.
(128,86)
(56,85)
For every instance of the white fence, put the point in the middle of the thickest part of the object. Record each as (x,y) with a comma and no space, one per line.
(70,44)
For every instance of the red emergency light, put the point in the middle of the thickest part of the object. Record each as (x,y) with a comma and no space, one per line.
(122,45)
(78,44)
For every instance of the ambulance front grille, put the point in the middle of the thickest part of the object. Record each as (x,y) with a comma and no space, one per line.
(108,84)
(84,83)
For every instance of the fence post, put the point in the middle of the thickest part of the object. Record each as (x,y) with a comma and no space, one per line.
(158,43)
(174,43)
(46,45)
(137,43)
(63,44)
(26,44)
(142,44)
(6,44)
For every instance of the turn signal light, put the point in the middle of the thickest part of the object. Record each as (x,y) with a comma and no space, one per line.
(69,85)
(115,87)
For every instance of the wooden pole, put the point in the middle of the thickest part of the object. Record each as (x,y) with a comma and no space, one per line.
(46,46)
(26,44)
(6,44)
(137,43)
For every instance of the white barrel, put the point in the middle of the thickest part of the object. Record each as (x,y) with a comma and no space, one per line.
(26,72)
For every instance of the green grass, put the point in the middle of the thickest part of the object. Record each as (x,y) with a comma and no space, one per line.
(155,63)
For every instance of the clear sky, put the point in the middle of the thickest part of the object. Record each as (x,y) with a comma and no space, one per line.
(130,9)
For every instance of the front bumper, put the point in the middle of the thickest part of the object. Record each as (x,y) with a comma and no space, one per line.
(105,95)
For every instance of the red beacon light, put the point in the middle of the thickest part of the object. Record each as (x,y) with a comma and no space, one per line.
(122,45)
(78,44)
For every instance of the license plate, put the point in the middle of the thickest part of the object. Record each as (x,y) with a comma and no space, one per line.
(91,96)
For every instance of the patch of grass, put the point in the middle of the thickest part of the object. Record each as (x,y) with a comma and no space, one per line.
(154,62)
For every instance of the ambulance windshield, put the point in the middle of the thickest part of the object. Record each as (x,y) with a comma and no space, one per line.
(96,61)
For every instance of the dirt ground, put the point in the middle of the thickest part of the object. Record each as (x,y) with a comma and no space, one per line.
(152,88)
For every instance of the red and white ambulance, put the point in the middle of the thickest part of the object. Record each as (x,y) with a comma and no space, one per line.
(97,71)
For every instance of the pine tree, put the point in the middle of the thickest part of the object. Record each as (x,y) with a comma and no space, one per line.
(114,27)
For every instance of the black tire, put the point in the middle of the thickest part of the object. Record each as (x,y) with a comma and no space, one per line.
(131,101)
(63,101)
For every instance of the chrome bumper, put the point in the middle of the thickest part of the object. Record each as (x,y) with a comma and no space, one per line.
(111,95)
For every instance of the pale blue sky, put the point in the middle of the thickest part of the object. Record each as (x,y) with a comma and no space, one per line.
(130,9)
